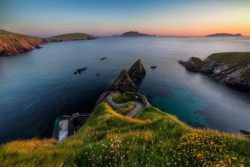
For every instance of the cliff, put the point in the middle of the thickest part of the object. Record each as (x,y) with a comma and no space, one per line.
(108,138)
(224,35)
(231,68)
(13,43)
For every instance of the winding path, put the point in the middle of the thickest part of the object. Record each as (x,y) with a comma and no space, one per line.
(133,113)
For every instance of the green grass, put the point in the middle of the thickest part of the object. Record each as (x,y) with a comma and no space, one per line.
(196,60)
(9,35)
(246,74)
(125,97)
(231,58)
(111,139)
(125,109)
(138,65)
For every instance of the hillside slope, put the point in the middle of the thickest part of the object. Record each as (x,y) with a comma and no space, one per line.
(13,43)
(108,138)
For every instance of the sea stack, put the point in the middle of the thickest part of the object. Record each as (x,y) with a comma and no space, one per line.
(137,72)
(123,83)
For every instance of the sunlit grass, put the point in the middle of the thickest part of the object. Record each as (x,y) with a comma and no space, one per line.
(111,139)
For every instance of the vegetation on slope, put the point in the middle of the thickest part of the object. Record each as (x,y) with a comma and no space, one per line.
(230,58)
(110,139)
(125,97)
(13,43)
(71,37)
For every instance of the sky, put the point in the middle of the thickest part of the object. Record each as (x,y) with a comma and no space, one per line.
(112,17)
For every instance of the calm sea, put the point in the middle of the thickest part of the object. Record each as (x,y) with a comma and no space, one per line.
(38,86)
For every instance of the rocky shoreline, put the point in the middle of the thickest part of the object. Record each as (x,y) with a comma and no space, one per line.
(14,44)
(231,68)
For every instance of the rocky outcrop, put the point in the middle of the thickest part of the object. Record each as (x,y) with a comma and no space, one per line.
(79,70)
(123,83)
(232,68)
(137,72)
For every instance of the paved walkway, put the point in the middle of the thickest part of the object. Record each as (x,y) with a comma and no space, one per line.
(133,113)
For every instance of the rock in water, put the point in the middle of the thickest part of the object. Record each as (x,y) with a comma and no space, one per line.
(123,83)
(137,71)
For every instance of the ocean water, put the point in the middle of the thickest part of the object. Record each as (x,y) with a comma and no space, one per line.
(38,86)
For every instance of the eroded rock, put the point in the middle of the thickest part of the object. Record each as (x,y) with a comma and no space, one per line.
(137,72)
(123,83)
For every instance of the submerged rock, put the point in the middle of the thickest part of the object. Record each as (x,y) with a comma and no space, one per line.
(123,83)
(231,68)
(103,58)
(79,70)
(137,72)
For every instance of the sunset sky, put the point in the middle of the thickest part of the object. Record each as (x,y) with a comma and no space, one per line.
(109,17)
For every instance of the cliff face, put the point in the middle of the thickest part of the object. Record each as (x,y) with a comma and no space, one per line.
(232,68)
(123,83)
(137,72)
(13,44)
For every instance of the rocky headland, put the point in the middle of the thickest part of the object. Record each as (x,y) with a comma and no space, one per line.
(13,43)
(231,68)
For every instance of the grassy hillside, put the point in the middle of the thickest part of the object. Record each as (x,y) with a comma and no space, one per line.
(110,139)
(13,43)
(231,58)
(72,36)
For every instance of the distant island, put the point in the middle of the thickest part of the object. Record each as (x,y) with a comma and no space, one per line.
(71,37)
(14,43)
(135,34)
(224,35)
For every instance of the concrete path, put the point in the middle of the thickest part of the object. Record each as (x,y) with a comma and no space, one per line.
(133,113)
